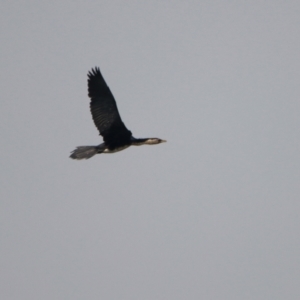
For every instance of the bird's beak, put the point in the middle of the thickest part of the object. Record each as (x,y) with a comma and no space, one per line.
(163,141)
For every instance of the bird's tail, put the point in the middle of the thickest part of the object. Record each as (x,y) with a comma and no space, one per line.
(84,152)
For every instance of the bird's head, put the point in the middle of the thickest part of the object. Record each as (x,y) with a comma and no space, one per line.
(154,141)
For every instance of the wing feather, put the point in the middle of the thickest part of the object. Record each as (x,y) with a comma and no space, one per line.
(105,112)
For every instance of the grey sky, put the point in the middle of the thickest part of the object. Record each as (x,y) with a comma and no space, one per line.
(211,214)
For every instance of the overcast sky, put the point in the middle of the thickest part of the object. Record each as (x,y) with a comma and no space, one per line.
(211,214)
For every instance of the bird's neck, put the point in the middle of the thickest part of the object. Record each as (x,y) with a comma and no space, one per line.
(138,142)
(147,141)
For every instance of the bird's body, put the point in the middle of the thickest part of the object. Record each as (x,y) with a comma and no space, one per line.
(107,119)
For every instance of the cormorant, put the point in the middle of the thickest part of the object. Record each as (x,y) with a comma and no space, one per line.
(107,119)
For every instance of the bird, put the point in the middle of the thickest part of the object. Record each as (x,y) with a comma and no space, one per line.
(116,137)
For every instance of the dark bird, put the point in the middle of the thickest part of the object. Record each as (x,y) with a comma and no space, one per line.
(107,119)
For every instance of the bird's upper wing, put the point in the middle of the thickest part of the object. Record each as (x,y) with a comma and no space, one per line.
(105,112)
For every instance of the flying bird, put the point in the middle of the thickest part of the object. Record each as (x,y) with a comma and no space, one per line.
(107,119)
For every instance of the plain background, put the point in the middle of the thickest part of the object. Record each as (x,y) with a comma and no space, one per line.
(211,214)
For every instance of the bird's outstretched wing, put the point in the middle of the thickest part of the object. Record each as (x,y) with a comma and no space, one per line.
(105,112)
